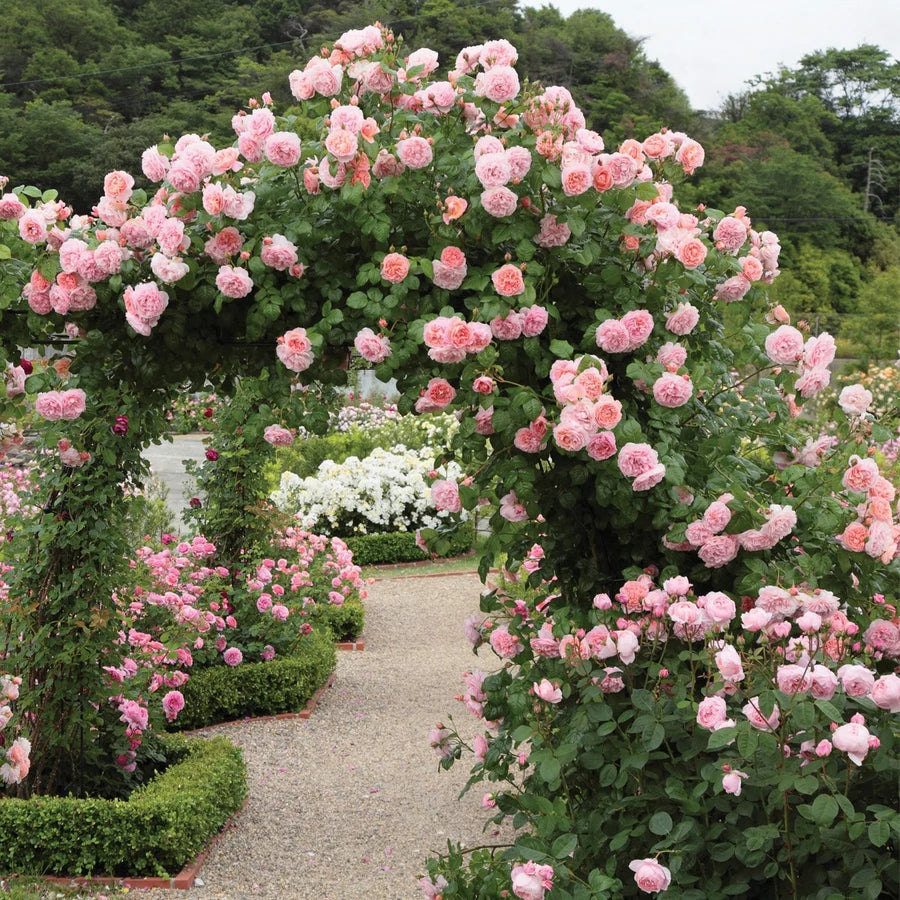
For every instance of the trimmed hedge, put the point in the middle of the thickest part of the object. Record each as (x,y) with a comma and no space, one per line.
(345,621)
(400,546)
(284,684)
(160,827)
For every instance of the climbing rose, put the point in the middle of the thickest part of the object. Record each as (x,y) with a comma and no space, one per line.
(277,436)
(445,495)
(650,876)
(295,350)
(233,657)
(394,267)
(372,347)
(173,703)
(234,281)
(508,281)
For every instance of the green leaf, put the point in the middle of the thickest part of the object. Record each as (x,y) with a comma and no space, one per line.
(660,823)
(5,252)
(824,810)
(564,845)
(561,349)
(809,784)
(721,738)
(879,832)
(550,770)
(830,710)
(747,742)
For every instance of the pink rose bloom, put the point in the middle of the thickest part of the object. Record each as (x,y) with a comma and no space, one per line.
(731,782)
(547,691)
(552,233)
(505,645)
(639,324)
(278,252)
(819,351)
(173,703)
(886,693)
(812,382)
(493,170)
(448,277)
(508,328)
(780,522)
(394,267)
(508,281)
(711,713)
(755,619)
(784,346)
(691,253)
(571,437)
(719,550)
(440,392)
(636,459)
(32,227)
(534,320)
(671,356)
(852,739)
(716,517)
(861,475)
(883,636)
(11,207)
(649,479)
(153,164)
(683,319)
(445,495)
(278,436)
(672,390)
(49,406)
(484,421)
(612,336)
(730,234)
(499,202)
(650,876)
(754,715)
(855,400)
(691,155)
(529,441)
(856,680)
(294,349)
(233,281)
(432,889)
(372,347)
(793,679)
(728,662)
(735,288)
(414,152)
(233,657)
(607,412)
(499,83)
(483,384)
(718,607)
(117,186)
(72,403)
(512,509)
(822,682)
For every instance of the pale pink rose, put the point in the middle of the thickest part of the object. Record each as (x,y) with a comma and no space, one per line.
(862,474)
(440,392)
(278,252)
(639,324)
(534,320)
(146,300)
(278,436)
(294,349)
(607,412)
(812,382)
(819,351)
(505,645)
(493,170)
(154,164)
(755,619)
(72,403)
(886,693)
(282,148)
(718,607)
(445,495)
(570,437)
(822,682)
(552,233)
(649,479)
(672,390)
(780,522)
(719,550)
(735,288)
(547,691)
(784,346)
(671,356)
(711,712)
(11,207)
(612,336)
(698,532)
(852,739)
(650,876)
(372,347)
(528,440)
(730,234)
(728,662)
(855,400)
(233,281)
(690,154)
(394,267)
(32,227)
(171,236)
(683,319)
(883,636)
(499,83)
(508,281)
(499,202)
(484,421)
(484,384)
(691,253)
(731,782)
(49,405)
(621,169)
(751,268)
(856,680)
(636,459)
(576,180)
(117,185)
(508,328)
(233,657)
(519,159)
(793,679)
(717,517)
(658,146)
(512,509)
(226,160)
(342,144)
(753,712)
(414,152)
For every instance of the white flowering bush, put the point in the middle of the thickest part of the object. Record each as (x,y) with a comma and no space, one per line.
(388,490)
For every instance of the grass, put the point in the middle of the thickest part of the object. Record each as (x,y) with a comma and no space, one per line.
(23,887)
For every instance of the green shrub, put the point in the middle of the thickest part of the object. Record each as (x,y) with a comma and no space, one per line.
(158,829)
(400,546)
(222,693)
(345,621)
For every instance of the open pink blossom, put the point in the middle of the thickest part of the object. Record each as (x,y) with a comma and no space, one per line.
(373,348)
(671,390)
(277,436)
(547,691)
(234,282)
(294,349)
(852,739)
(732,780)
(445,495)
(650,876)
(394,267)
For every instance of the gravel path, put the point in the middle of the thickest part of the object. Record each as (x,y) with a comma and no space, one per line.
(349,803)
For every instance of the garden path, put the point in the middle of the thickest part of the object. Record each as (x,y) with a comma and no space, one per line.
(349,803)
(167,466)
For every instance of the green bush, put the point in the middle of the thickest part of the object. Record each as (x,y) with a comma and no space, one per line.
(400,546)
(159,828)
(345,621)
(284,684)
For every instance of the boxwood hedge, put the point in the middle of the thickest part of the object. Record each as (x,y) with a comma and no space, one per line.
(160,827)
(400,546)
(345,621)
(284,684)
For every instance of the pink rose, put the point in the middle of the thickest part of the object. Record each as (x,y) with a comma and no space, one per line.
(233,281)
(731,782)
(756,718)
(672,390)
(852,739)
(499,202)
(233,657)
(730,234)
(72,403)
(278,252)
(294,349)
(886,693)
(649,479)
(547,691)
(784,346)
(691,253)
(719,550)
(173,703)
(534,320)
(49,406)
(11,207)
(636,459)
(612,336)
(650,876)
(691,155)
(440,392)
(414,152)
(855,400)
(499,83)
(728,662)
(856,680)
(277,436)
(719,607)
(508,281)
(372,347)
(735,288)
(639,324)
(711,712)
(819,351)
(493,170)
(505,645)
(445,495)
(861,475)
(683,319)
(394,267)
(822,682)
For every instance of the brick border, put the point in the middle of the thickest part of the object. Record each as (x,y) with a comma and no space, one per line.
(358,644)
(184,880)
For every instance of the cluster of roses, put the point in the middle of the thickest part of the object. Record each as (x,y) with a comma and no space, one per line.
(811,357)
(875,531)
(17,763)
(706,534)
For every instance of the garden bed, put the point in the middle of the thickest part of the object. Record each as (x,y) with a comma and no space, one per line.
(160,827)
(253,689)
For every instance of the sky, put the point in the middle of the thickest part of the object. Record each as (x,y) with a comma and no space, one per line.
(711,47)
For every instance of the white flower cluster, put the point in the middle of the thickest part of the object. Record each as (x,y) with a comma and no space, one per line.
(363,415)
(389,490)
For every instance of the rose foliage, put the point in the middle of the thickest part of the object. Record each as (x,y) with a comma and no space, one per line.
(470,236)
